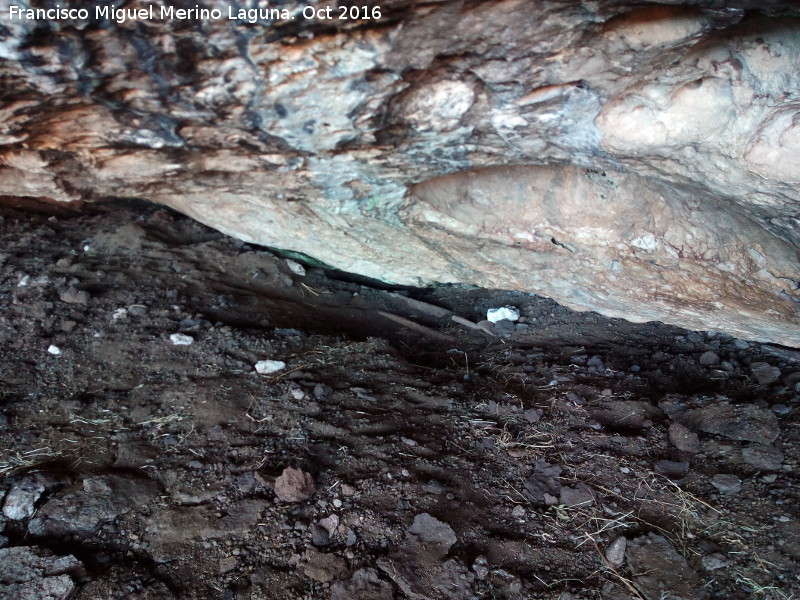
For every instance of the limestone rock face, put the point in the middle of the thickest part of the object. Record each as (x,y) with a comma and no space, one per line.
(641,161)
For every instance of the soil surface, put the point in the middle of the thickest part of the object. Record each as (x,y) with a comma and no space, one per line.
(183,415)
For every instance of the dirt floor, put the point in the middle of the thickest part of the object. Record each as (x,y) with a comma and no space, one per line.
(396,447)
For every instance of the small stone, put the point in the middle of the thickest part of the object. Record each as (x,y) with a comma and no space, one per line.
(671,469)
(320,537)
(695,337)
(684,439)
(761,456)
(228,564)
(137,310)
(189,324)
(709,358)
(791,380)
(434,487)
(246,482)
(350,538)
(295,267)
(624,414)
(432,532)
(481,568)
(54,350)
(579,496)
(715,561)
(597,363)
(504,327)
(508,313)
(727,484)
(741,344)
(348,490)
(533,415)
(615,553)
(765,373)
(265,367)
(408,441)
(330,524)
(74,296)
(518,512)
(181,339)
(576,399)
(544,479)
(337,503)
(298,394)
(294,485)
(21,499)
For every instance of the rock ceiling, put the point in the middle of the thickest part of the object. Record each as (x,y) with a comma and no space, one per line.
(641,161)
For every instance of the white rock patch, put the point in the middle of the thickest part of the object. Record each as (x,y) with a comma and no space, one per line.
(181,339)
(508,313)
(265,367)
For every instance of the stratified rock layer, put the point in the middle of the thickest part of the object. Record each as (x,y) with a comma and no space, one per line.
(649,155)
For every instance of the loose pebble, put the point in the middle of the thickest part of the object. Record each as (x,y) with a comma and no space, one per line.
(265,367)
(295,267)
(615,553)
(181,339)
(727,484)
(505,313)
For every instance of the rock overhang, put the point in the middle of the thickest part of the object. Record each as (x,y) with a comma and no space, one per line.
(634,161)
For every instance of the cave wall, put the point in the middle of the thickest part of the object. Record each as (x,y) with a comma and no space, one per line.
(638,160)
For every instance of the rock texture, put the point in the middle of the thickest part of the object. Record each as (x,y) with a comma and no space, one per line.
(28,573)
(638,161)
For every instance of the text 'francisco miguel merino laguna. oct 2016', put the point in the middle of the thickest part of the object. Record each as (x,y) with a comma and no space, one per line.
(153,12)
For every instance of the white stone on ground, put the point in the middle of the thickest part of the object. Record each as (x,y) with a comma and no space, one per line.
(265,367)
(295,267)
(181,339)
(508,313)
